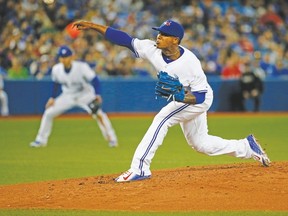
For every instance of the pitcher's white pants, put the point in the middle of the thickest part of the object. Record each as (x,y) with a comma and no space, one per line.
(65,102)
(4,103)
(193,122)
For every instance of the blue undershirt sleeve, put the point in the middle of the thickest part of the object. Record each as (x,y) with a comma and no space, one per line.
(96,85)
(200,97)
(119,37)
(55,89)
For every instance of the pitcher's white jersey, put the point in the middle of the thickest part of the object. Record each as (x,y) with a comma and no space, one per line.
(192,118)
(76,80)
(187,67)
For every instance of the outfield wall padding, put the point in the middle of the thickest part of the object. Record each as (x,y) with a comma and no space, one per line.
(28,97)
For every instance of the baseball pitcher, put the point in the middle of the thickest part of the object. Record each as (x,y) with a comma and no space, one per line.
(182,81)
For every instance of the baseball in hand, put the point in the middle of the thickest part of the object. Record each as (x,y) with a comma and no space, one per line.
(48,1)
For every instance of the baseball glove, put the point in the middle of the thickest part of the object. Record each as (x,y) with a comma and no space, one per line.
(94,106)
(169,87)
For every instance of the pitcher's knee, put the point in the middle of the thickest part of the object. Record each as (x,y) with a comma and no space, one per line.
(199,148)
(199,145)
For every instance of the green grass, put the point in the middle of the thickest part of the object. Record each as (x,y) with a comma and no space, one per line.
(77,149)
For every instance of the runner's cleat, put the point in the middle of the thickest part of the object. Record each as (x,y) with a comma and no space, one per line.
(113,144)
(37,144)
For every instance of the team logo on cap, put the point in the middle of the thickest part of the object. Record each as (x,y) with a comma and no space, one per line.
(167,23)
(64,51)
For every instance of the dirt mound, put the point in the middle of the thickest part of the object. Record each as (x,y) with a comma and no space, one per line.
(245,186)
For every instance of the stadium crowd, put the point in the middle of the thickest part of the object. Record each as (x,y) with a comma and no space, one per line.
(225,35)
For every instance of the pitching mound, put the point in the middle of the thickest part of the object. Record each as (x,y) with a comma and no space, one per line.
(246,186)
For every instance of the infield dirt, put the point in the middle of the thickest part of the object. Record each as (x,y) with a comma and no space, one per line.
(244,186)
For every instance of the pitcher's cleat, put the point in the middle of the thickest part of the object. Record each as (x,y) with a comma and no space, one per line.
(258,153)
(37,144)
(130,176)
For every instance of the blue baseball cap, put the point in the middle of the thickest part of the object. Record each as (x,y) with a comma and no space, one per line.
(172,28)
(64,51)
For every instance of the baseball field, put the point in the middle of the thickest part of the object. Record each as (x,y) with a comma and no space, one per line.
(74,174)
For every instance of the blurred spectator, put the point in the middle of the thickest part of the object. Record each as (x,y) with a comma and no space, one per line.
(270,17)
(256,66)
(232,69)
(4,110)
(251,87)
(42,69)
(59,14)
(280,69)
(267,65)
(141,68)
(125,67)
(17,70)
(212,68)
(285,58)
